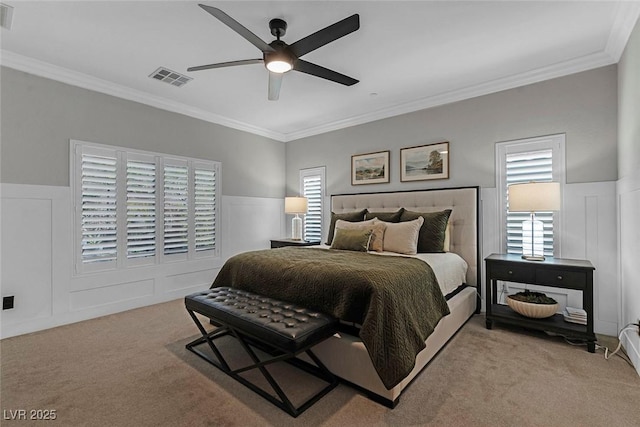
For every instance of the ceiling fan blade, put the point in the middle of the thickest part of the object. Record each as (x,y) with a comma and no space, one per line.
(325,73)
(238,28)
(326,35)
(275,81)
(226,64)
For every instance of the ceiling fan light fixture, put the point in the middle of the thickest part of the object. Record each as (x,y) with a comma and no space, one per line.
(279,66)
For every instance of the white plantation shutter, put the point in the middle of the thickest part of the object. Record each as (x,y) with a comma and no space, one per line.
(521,168)
(141,208)
(136,207)
(312,187)
(205,209)
(176,209)
(98,207)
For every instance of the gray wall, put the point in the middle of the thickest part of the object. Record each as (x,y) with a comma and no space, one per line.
(583,105)
(40,116)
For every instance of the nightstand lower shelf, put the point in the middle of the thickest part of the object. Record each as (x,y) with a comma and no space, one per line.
(555,323)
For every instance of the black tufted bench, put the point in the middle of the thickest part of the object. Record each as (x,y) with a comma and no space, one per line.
(285,330)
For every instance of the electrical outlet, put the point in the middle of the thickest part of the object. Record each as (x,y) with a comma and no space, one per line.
(7,302)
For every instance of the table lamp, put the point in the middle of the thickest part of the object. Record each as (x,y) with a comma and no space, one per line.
(296,206)
(533,197)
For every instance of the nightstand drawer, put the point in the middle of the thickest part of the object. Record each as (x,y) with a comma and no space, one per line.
(512,272)
(562,278)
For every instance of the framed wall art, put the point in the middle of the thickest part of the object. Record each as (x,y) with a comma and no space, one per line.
(370,168)
(424,162)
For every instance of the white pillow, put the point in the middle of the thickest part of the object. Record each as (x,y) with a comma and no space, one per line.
(402,237)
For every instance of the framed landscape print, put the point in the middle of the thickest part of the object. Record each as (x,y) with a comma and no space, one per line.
(370,168)
(424,162)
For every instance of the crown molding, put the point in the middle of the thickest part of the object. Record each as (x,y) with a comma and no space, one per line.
(561,69)
(74,78)
(626,16)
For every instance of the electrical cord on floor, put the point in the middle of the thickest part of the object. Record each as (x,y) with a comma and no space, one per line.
(608,355)
(580,342)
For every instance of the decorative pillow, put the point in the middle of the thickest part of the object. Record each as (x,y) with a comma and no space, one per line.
(351,240)
(347,216)
(385,216)
(432,233)
(377,230)
(402,237)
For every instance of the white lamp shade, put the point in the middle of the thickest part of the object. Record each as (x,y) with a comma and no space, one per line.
(295,205)
(534,197)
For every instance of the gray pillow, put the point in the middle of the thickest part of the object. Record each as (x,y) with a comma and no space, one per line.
(347,216)
(351,240)
(432,232)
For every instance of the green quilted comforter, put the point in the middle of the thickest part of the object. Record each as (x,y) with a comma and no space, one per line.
(396,300)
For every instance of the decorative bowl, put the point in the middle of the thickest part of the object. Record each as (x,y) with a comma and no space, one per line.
(529,309)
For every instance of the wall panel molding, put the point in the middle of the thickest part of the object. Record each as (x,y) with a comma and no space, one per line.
(55,297)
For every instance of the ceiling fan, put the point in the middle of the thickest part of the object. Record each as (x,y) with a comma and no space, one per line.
(280,57)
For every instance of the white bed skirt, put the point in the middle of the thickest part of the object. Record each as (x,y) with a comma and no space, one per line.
(347,357)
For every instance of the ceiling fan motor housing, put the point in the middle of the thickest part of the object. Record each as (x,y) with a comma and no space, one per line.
(282,53)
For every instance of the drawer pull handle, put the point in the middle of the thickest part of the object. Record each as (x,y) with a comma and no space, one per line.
(559,277)
(510,272)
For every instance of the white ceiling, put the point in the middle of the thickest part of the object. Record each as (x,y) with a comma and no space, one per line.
(408,55)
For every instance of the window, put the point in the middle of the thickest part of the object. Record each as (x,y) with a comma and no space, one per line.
(312,187)
(140,208)
(535,159)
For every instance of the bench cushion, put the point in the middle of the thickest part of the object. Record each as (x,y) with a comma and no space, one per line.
(277,323)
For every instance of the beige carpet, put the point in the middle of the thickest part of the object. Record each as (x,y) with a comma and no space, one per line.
(131,369)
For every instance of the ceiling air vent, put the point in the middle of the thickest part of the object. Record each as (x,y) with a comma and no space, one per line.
(6,15)
(171,77)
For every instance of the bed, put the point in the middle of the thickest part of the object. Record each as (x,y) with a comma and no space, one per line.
(432,298)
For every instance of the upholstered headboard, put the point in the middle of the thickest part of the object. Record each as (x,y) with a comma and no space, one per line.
(463,201)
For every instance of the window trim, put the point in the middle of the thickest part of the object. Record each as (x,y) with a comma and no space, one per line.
(122,154)
(554,142)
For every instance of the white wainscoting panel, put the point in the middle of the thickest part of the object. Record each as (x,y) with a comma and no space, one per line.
(37,260)
(108,295)
(184,283)
(590,232)
(27,257)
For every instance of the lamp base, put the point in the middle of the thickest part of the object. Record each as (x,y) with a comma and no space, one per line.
(296,228)
(532,239)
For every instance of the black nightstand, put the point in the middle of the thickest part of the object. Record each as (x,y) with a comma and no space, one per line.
(554,272)
(279,243)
